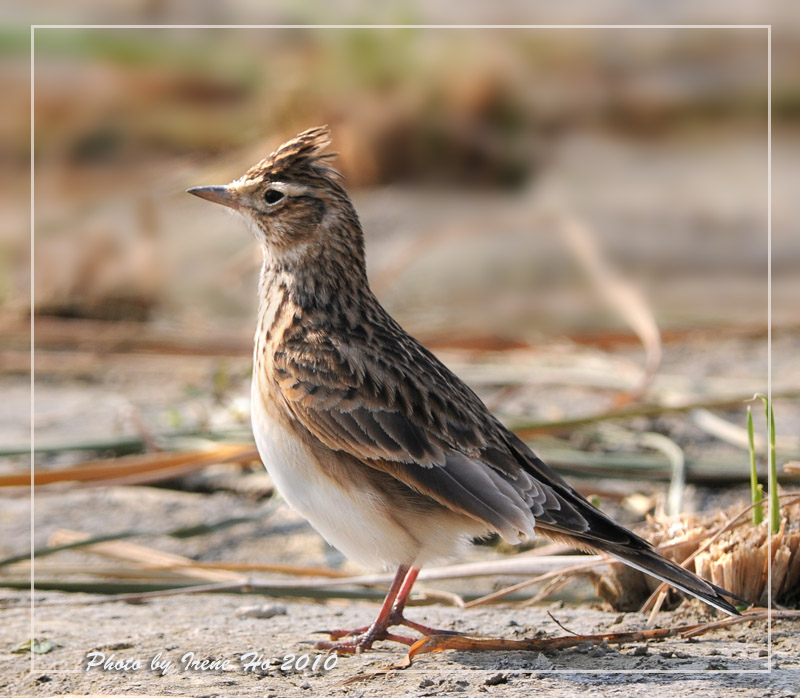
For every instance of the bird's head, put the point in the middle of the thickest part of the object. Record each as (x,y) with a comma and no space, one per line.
(295,204)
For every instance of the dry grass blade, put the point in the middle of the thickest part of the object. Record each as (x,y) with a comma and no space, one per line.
(117,571)
(181,532)
(529,429)
(494,596)
(674,453)
(737,436)
(432,596)
(641,464)
(139,592)
(561,625)
(180,569)
(511,368)
(146,558)
(552,587)
(117,591)
(519,565)
(622,295)
(128,469)
(298,570)
(160,475)
(329,587)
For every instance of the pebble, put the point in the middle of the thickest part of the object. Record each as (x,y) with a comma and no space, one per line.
(542,662)
(496,680)
(269,610)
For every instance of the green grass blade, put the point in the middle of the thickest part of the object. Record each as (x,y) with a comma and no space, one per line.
(772,475)
(755,488)
(774,504)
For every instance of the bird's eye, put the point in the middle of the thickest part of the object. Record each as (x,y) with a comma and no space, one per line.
(273,196)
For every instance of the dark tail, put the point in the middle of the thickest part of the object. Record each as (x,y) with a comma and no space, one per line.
(650,562)
(566,515)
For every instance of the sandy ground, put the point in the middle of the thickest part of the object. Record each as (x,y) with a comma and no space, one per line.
(248,631)
(261,653)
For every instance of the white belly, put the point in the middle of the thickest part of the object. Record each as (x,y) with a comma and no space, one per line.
(354,522)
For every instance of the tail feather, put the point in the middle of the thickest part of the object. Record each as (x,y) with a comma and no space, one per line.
(566,515)
(650,562)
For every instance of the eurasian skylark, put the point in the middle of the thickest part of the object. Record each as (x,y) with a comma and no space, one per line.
(366,434)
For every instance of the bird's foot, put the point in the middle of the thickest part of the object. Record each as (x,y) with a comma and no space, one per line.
(400,619)
(361,639)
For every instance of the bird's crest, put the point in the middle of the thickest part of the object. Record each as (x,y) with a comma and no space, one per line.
(301,153)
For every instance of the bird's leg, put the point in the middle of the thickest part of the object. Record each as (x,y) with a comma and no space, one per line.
(397,618)
(391,613)
(362,638)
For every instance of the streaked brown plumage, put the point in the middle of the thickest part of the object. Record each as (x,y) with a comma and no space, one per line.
(366,433)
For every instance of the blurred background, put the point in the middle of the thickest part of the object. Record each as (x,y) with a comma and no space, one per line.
(575,220)
(463,149)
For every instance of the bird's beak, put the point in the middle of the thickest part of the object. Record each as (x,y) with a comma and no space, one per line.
(217,195)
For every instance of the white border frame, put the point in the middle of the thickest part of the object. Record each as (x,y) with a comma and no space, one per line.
(768,28)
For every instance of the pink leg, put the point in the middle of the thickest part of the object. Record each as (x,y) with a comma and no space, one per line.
(364,637)
(391,613)
(397,617)
(405,591)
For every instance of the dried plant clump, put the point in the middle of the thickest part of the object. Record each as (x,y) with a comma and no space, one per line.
(736,560)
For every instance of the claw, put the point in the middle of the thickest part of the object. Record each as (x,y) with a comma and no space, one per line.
(363,638)
(339,647)
(338,634)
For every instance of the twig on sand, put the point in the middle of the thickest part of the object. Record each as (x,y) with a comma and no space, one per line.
(465,643)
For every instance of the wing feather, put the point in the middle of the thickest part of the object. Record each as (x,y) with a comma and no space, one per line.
(417,421)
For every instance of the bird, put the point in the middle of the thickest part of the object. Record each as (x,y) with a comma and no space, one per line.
(390,456)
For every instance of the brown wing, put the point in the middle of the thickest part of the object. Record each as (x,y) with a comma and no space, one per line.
(394,406)
(431,432)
